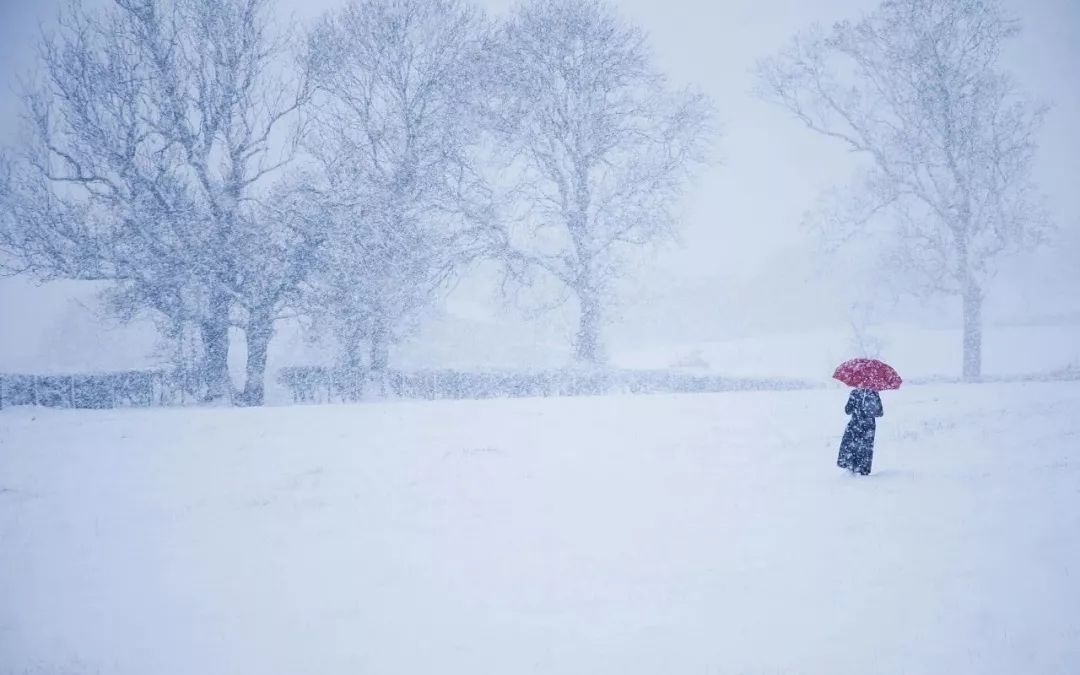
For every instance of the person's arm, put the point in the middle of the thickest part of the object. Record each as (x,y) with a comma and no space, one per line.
(879,411)
(850,407)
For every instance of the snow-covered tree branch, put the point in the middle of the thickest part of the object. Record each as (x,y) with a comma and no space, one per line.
(600,148)
(396,89)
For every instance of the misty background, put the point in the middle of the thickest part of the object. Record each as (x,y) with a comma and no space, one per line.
(745,267)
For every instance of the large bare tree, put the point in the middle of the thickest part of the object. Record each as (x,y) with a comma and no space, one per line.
(151,127)
(598,148)
(916,87)
(396,83)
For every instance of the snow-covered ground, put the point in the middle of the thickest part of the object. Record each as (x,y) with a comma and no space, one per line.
(661,534)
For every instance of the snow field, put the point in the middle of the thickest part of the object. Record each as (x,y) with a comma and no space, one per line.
(654,534)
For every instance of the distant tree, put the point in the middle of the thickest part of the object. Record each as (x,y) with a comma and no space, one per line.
(396,83)
(597,146)
(151,129)
(916,87)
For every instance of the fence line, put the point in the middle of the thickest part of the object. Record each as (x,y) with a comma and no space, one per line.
(317,384)
(159,388)
(136,388)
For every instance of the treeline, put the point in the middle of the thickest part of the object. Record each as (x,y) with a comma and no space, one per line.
(219,170)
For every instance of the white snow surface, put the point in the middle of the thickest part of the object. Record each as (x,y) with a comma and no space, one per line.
(654,534)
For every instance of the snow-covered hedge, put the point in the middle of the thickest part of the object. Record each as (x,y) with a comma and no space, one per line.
(320,384)
(132,388)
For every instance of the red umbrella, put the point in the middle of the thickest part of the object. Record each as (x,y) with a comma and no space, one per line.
(868,374)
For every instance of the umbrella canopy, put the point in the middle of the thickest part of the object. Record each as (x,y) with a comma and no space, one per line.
(868,374)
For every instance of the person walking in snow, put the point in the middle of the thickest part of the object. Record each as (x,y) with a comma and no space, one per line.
(857,448)
(867,377)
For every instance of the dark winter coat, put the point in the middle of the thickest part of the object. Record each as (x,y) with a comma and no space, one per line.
(857,448)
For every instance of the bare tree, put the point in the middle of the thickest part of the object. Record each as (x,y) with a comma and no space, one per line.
(916,87)
(396,82)
(600,145)
(151,128)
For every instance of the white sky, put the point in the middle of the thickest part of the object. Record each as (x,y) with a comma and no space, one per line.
(743,253)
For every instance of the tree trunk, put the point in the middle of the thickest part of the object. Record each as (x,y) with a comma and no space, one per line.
(215,337)
(380,354)
(258,332)
(972,302)
(352,385)
(587,346)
